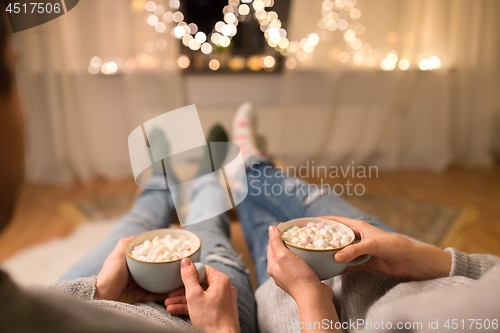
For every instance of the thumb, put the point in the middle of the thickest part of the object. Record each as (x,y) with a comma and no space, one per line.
(276,242)
(351,252)
(189,276)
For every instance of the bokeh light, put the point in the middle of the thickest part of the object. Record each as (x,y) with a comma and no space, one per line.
(183,62)
(214,64)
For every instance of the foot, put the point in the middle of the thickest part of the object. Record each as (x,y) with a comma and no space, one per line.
(157,139)
(218,152)
(244,124)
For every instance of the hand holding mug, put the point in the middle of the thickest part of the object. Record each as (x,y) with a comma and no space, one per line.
(392,254)
(211,309)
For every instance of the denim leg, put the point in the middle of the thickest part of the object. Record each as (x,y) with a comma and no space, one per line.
(273,197)
(153,209)
(216,248)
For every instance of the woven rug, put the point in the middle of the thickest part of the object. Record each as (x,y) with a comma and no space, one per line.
(427,221)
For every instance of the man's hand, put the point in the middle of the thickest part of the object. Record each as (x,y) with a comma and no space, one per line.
(392,254)
(212,309)
(114,282)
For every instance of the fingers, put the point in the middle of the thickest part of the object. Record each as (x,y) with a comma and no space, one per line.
(212,275)
(276,242)
(351,252)
(190,277)
(152,297)
(177,292)
(176,300)
(356,225)
(178,309)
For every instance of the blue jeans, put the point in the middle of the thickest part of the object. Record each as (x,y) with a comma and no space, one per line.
(153,209)
(274,197)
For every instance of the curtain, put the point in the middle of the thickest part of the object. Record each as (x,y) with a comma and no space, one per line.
(77,122)
(323,110)
(397,120)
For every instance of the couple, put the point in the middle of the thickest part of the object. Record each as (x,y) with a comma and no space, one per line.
(403,281)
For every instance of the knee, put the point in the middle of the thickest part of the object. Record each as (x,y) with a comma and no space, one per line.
(222,255)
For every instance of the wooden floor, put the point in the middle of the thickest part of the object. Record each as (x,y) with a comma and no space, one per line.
(39,218)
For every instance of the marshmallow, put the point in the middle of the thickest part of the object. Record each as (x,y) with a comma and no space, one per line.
(163,249)
(316,236)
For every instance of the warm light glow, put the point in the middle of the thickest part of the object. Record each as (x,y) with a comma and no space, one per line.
(403,64)
(167,17)
(229,18)
(349,35)
(388,64)
(200,37)
(284,43)
(327,5)
(194,45)
(434,62)
(355,13)
(150,6)
(308,47)
(423,64)
(178,17)
(215,38)
(236,63)
(274,33)
(96,62)
(358,59)
(193,27)
(269,61)
(360,29)
(244,10)
(93,69)
(183,62)
(214,64)
(111,67)
(313,39)
(160,10)
(253,63)
(152,20)
(174,4)
(206,48)
(342,24)
(393,56)
(293,47)
(186,40)
(290,63)
(224,41)
(179,31)
(344,57)
(366,48)
(218,26)
(258,5)
(226,30)
(161,27)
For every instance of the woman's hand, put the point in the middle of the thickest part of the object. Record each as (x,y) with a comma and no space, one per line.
(392,254)
(114,282)
(291,273)
(212,310)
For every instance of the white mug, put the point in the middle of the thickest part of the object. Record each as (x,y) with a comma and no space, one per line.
(162,277)
(322,261)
